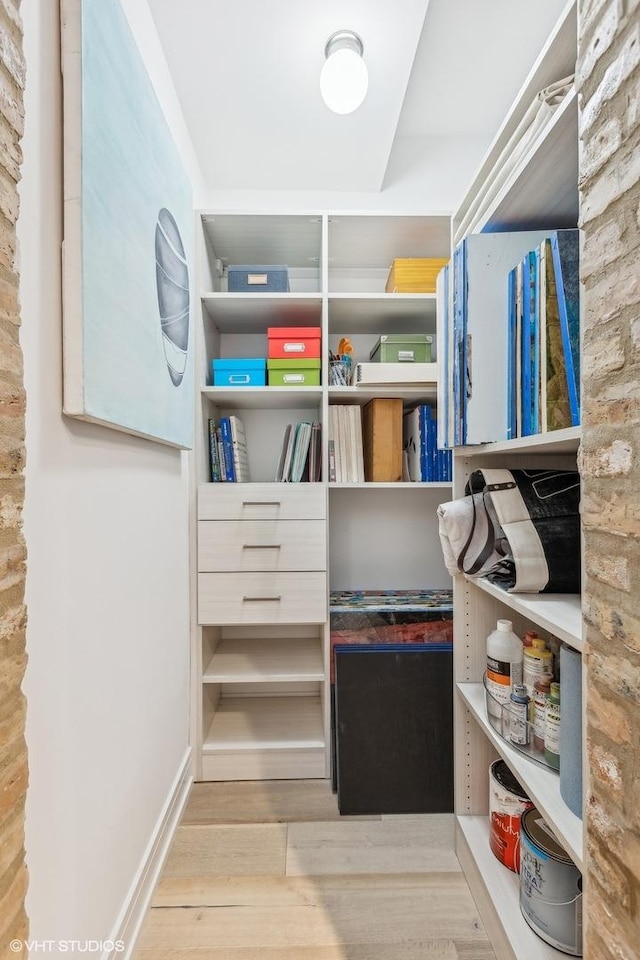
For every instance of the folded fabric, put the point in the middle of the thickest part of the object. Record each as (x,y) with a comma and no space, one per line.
(472,539)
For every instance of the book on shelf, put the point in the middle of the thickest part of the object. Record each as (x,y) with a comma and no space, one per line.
(239,450)
(382,436)
(346,455)
(565,253)
(495,385)
(225,446)
(555,410)
(300,455)
(214,458)
(543,338)
(425,461)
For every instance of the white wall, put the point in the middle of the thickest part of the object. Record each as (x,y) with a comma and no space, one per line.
(106,525)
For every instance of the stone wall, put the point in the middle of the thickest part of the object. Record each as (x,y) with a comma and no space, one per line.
(13,753)
(609,89)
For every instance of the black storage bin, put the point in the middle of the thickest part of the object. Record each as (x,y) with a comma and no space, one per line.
(394,728)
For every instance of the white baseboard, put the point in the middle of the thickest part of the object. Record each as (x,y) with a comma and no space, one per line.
(127,927)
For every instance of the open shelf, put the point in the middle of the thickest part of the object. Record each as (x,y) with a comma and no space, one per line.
(254,312)
(256,661)
(378,313)
(265,723)
(559,613)
(294,240)
(422,393)
(543,187)
(541,783)
(500,893)
(267,398)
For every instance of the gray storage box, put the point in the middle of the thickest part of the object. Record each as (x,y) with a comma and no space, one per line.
(258,279)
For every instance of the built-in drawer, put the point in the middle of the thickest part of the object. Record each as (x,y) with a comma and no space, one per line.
(262,545)
(262,597)
(262,501)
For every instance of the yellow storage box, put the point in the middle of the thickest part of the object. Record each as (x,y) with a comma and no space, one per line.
(414,274)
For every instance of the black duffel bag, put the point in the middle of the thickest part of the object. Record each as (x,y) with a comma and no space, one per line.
(538,511)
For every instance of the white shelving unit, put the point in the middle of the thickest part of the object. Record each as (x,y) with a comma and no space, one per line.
(540,192)
(261,651)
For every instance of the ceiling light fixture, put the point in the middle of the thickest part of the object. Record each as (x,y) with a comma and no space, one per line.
(344,78)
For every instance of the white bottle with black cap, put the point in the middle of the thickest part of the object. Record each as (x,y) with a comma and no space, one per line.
(504,670)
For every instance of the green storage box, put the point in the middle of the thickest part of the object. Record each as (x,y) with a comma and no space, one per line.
(293,373)
(403,348)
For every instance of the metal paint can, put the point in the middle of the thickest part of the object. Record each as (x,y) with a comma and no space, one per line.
(507,803)
(550,886)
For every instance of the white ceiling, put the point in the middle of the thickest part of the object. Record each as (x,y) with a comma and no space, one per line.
(247,75)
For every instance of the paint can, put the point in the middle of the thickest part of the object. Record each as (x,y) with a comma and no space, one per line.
(550,886)
(507,803)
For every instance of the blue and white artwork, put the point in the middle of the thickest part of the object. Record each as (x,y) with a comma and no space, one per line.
(135,220)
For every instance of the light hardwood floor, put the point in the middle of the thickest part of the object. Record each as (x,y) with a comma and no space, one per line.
(271,871)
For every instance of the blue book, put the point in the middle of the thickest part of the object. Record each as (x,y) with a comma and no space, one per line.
(424,415)
(431,444)
(459,344)
(227,447)
(528,366)
(565,252)
(214,460)
(512,426)
(534,290)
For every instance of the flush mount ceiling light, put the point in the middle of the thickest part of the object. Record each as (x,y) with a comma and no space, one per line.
(344,78)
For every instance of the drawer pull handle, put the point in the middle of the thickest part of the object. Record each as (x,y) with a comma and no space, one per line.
(261,503)
(259,599)
(261,546)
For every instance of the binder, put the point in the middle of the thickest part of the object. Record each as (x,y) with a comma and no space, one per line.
(227,449)
(239,450)
(382,432)
(214,460)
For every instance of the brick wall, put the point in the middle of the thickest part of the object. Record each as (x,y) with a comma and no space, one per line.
(13,754)
(609,85)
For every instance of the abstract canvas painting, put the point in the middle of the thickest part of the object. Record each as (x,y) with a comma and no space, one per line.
(128,237)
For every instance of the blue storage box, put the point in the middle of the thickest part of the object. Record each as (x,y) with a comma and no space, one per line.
(258,279)
(240,372)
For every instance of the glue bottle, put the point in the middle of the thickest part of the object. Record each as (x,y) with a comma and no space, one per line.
(504,670)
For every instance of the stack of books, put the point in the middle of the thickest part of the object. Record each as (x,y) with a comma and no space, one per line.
(301,454)
(228,460)
(544,338)
(346,459)
(424,462)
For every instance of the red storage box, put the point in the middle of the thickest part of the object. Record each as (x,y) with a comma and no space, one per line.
(290,343)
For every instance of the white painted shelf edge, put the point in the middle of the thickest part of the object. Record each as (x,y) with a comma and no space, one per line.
(380,485)
(258,661)
(554,441)
(559,613)
(541,783)
(503,889)
(269,398)
(265,723)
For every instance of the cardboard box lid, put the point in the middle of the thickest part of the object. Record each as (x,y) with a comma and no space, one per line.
(239,363)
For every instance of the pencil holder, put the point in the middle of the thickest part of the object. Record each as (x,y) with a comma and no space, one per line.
(340,373)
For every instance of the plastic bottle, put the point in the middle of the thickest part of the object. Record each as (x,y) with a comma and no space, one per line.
(552,727)
(519,715)
(529,637)
(504,669)
(541,688)
(537,661)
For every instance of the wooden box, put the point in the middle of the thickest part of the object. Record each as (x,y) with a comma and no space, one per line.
(414,275)
(382,437)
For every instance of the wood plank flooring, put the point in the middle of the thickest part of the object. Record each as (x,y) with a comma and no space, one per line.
(270,871)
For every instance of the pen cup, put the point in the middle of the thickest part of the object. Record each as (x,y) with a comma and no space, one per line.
(340,372)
